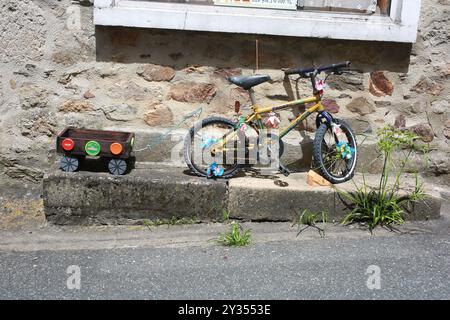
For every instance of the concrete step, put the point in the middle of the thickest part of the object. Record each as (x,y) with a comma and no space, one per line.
(101,198)
(280,198)
(164,193)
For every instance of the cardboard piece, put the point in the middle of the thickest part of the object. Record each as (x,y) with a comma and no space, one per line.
(316,180)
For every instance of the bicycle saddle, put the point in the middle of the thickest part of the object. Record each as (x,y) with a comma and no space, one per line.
(246,82)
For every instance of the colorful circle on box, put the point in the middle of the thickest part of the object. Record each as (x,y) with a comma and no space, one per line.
(68,144)
(92,148)
(116,148)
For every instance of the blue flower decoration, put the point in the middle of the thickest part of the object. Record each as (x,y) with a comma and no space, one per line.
(214,170)
(345,150)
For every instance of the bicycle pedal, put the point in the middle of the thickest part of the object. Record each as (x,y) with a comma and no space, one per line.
(285,171)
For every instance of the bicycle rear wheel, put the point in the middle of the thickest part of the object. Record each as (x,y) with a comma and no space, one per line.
(200,141)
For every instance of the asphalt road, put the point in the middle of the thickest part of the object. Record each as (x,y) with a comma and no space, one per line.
(411,267)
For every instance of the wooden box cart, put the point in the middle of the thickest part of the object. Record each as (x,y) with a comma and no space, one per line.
(114,147)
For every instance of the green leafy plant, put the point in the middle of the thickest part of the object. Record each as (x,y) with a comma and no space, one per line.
(147,223)
(386,205)
(225,216)
(235,236)
(309,219)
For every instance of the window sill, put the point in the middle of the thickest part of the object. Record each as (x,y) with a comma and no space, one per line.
(401,26)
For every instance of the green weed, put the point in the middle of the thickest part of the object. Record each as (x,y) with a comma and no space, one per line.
(235,236)
(385,205)
(308,219)
(225,216)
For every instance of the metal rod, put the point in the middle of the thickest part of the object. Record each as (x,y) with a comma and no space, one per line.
(257,54)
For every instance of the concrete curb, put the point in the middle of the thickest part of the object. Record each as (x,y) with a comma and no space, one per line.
(284,198)
(279,199)
(99,198)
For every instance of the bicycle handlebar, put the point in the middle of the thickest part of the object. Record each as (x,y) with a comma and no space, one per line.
(312,72)
(305,71)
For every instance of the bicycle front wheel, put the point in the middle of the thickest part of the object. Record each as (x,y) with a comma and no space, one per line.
(334,158)
(200,151)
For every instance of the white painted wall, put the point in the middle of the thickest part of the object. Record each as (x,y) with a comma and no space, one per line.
(400,26)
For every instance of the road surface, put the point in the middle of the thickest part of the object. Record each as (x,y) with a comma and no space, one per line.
(346,264)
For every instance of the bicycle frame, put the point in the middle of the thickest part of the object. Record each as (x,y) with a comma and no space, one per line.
(258,112)
(256,115)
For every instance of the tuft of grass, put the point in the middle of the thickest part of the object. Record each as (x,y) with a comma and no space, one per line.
(309,219)
(236,236)
(225,216)
(369,209)
(385,205)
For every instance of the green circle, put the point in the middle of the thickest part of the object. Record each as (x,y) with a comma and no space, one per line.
(92,148)
(132,142)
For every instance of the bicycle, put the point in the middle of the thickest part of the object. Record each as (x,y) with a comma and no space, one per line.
(334,146)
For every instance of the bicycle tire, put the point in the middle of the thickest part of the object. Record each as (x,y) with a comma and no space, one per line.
(187,148)
(318,161)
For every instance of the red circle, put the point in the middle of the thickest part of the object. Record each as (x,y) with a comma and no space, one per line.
(68,144)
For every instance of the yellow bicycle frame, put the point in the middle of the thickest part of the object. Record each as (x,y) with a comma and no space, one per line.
(257,112)
(316,107)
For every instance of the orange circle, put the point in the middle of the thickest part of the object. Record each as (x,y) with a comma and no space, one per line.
(116,148)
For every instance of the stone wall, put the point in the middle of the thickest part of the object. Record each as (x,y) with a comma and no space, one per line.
(57,69)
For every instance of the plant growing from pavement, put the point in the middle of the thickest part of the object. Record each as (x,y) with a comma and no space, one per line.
(225,216)
(309,219)
(386,205)
(236,236)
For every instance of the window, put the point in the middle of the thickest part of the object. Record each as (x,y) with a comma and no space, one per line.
(349,6)
(372,20)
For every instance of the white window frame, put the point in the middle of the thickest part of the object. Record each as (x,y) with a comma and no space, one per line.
(400,26)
